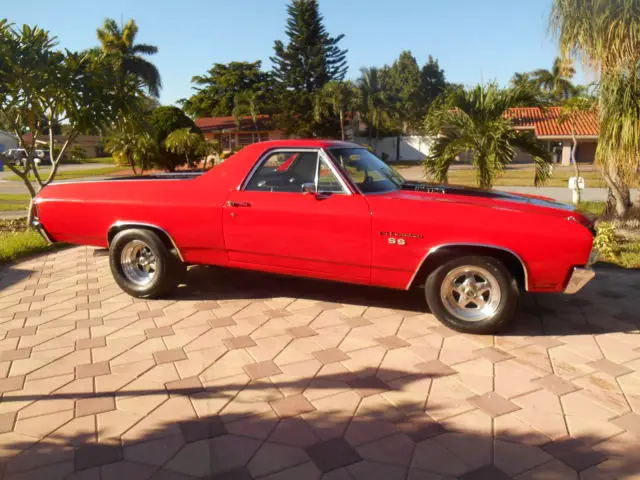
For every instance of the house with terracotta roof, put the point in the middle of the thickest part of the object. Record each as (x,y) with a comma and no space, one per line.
(546,126)
(232,135)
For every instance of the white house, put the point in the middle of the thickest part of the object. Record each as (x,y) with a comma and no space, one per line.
(7,141)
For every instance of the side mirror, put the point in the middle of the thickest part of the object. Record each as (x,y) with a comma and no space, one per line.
(309,188)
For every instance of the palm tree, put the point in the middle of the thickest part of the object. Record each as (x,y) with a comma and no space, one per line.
(569,114)
(185,142)
(604,34)
(247,102)
(118,44)
(473,121)
(375,102)
(521,79)
(131,142)
(556,81)
(337,98)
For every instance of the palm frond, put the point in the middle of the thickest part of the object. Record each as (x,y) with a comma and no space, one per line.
(146,71)
(144,49)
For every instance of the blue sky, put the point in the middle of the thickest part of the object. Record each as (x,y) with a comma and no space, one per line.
(472,39)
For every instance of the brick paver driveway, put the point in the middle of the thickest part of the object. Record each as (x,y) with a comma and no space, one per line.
(243,375)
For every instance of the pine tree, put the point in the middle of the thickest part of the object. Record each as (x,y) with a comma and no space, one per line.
(311,59)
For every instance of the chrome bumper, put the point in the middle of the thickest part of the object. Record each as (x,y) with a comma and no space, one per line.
(35,223)
(579,278)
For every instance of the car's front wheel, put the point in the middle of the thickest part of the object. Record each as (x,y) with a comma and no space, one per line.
(472,294)
(142,265)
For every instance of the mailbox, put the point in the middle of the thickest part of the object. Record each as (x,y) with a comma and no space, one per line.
(576,183)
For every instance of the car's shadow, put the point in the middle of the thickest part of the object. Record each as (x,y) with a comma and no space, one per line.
(215,283)
(548,314)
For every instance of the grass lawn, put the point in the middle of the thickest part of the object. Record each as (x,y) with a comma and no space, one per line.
(14,245)
(525,177)
(72,174)
(596,208)
(628,254)
(9,202)
(105,160)
(627,250)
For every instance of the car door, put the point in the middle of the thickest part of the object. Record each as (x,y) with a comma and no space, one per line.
(271,222)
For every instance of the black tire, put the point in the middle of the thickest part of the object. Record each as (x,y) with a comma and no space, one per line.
(168,269)
(503,310)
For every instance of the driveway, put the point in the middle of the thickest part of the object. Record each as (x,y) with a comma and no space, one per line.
(243,375)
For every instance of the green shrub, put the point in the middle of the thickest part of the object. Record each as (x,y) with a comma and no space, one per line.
(384,156)
(77,153)
(605,241)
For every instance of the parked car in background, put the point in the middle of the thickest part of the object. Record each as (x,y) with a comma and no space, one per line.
(43,155)
(329,210)
(18,156)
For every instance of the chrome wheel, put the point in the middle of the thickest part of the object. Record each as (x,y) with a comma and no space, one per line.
(470,293)
(139,263)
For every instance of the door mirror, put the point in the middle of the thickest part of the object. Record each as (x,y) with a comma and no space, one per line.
(309,188)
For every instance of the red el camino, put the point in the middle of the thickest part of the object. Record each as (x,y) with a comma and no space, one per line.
(328,210)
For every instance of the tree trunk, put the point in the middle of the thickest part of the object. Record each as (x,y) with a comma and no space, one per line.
(619,197)
(132,163)
(342,124)
(398,147)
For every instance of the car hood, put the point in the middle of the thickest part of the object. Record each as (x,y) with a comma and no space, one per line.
(488,198)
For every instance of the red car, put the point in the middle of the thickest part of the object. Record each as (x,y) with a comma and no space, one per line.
(329,210)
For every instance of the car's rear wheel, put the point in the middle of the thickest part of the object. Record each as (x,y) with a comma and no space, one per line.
(473,294)
(142,265)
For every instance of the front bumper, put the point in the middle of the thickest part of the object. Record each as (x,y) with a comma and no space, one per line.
(580,276)
(35,223)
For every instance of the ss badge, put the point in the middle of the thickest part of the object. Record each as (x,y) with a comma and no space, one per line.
(396,241)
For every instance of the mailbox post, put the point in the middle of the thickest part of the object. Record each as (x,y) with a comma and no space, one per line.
(576,184)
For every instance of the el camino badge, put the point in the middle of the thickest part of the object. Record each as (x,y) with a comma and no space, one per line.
(397,238)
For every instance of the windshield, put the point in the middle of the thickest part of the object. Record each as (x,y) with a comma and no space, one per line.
(367,171)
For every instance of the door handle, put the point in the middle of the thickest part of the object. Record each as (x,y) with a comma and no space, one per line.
(231,203)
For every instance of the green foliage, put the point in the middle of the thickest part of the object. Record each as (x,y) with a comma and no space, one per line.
(393,99)
(309,60)
(217,89)
(557,81)
(187,143)
(163,121)
(132,143)
(594,208)
(14,245)
(432,84)
(44,86)
(77,153)
(248,103)
(604,34)
(605,241)
(335,98)
(167,119)
(472,122)
(404,83)
(384,156)
(127,57)
(375,99)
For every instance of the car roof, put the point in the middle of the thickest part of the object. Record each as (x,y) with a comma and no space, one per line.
(305,142)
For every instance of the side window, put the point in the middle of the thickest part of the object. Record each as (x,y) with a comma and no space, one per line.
(289,171)
(327,180)
(285,172)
